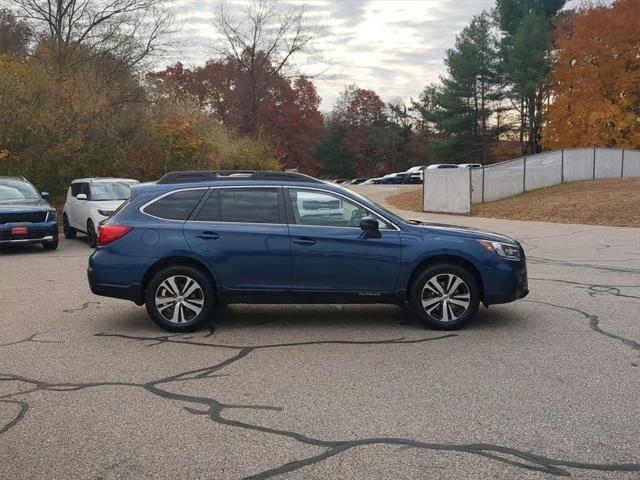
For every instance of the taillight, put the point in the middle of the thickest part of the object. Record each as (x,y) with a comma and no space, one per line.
(110,233)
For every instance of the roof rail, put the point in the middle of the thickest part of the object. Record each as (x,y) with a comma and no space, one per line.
(194,176)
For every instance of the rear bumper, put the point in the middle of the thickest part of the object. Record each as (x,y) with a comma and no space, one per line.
(131,292)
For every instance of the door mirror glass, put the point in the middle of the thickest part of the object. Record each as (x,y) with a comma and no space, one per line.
(82,196)
(369,224)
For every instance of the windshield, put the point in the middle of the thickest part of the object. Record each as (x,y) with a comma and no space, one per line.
(110,191)
(11,190)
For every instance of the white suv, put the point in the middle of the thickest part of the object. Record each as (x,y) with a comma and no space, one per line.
(90,201)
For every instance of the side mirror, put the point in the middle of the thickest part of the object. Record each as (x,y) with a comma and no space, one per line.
(45,195)
(82,196)
(369,224)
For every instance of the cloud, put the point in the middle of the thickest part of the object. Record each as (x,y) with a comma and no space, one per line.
(393,47)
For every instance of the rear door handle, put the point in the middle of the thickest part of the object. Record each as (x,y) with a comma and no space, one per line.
(207,235)
(304,241)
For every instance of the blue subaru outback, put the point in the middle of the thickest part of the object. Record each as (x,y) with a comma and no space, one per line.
(194,240)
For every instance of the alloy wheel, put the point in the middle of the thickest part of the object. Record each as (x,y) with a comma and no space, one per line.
(445,297)
(179,299)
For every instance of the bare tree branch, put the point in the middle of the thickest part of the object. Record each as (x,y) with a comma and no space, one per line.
(130,30)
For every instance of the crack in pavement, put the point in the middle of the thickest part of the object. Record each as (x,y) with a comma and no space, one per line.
(32,339)
(176,339)
(214,410)
(24,406)
(594,321)
(84,306)
(594,289)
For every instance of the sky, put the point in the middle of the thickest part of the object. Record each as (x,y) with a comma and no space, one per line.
(394,47)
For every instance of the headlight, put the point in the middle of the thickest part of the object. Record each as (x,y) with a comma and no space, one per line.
(105,213)
(52,216)
(505,250)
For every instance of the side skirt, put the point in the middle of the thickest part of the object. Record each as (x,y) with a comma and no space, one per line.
(309,297)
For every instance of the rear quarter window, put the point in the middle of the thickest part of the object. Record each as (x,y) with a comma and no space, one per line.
(175,206)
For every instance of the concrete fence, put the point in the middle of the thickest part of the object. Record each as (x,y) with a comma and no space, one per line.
(445,189)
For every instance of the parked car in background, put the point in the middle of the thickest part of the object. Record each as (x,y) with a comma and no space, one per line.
(393,179)
(470,165)
(442,165)
(416,174)
(25,214)
(194,240)
(90,201)
(355,181)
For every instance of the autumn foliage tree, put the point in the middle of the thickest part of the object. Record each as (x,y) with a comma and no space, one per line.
(288,110)
(596,79)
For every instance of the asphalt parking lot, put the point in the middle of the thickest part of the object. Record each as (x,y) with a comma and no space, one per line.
(548,386)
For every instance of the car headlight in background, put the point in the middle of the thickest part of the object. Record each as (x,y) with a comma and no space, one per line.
(505,250)
(105,213)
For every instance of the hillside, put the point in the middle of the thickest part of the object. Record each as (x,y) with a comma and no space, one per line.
(614,202)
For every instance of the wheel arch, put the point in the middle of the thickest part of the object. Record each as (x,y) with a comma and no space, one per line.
(447,258)
(181,260)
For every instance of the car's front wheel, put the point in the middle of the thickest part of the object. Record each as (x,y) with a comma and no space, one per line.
(179,298)
(69,231)
(52,244)
(445,296)
(92,235)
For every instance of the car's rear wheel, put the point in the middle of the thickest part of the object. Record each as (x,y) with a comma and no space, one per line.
(69,231)
(445,296)
(180,298)
(92,235)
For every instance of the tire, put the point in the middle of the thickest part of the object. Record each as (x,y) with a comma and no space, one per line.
(92,236)
(445,296)
(69,231)
(52,245)
(161,288)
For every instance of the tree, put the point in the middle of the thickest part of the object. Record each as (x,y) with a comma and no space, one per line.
(289,109)
(263,43)
(15,35)
(360,113)
(335,159)
(525,48)
(129,30)
(460,108)
(596,79)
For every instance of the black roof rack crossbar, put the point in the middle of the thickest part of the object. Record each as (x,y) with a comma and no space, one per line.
(194,176)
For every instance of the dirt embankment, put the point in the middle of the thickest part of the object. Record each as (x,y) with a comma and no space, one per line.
(614,202)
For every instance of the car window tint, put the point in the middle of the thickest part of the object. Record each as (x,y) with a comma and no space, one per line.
(210,211)
(320,208)
(250,205)
(75,189)
(176,206)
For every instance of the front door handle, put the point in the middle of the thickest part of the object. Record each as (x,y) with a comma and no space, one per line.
(207,235)
(304,241)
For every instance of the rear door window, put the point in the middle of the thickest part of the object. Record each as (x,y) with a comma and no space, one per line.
(175,206)
(210,210)
(250,205)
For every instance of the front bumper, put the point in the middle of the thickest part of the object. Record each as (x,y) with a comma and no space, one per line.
(36,233)
(507,284)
